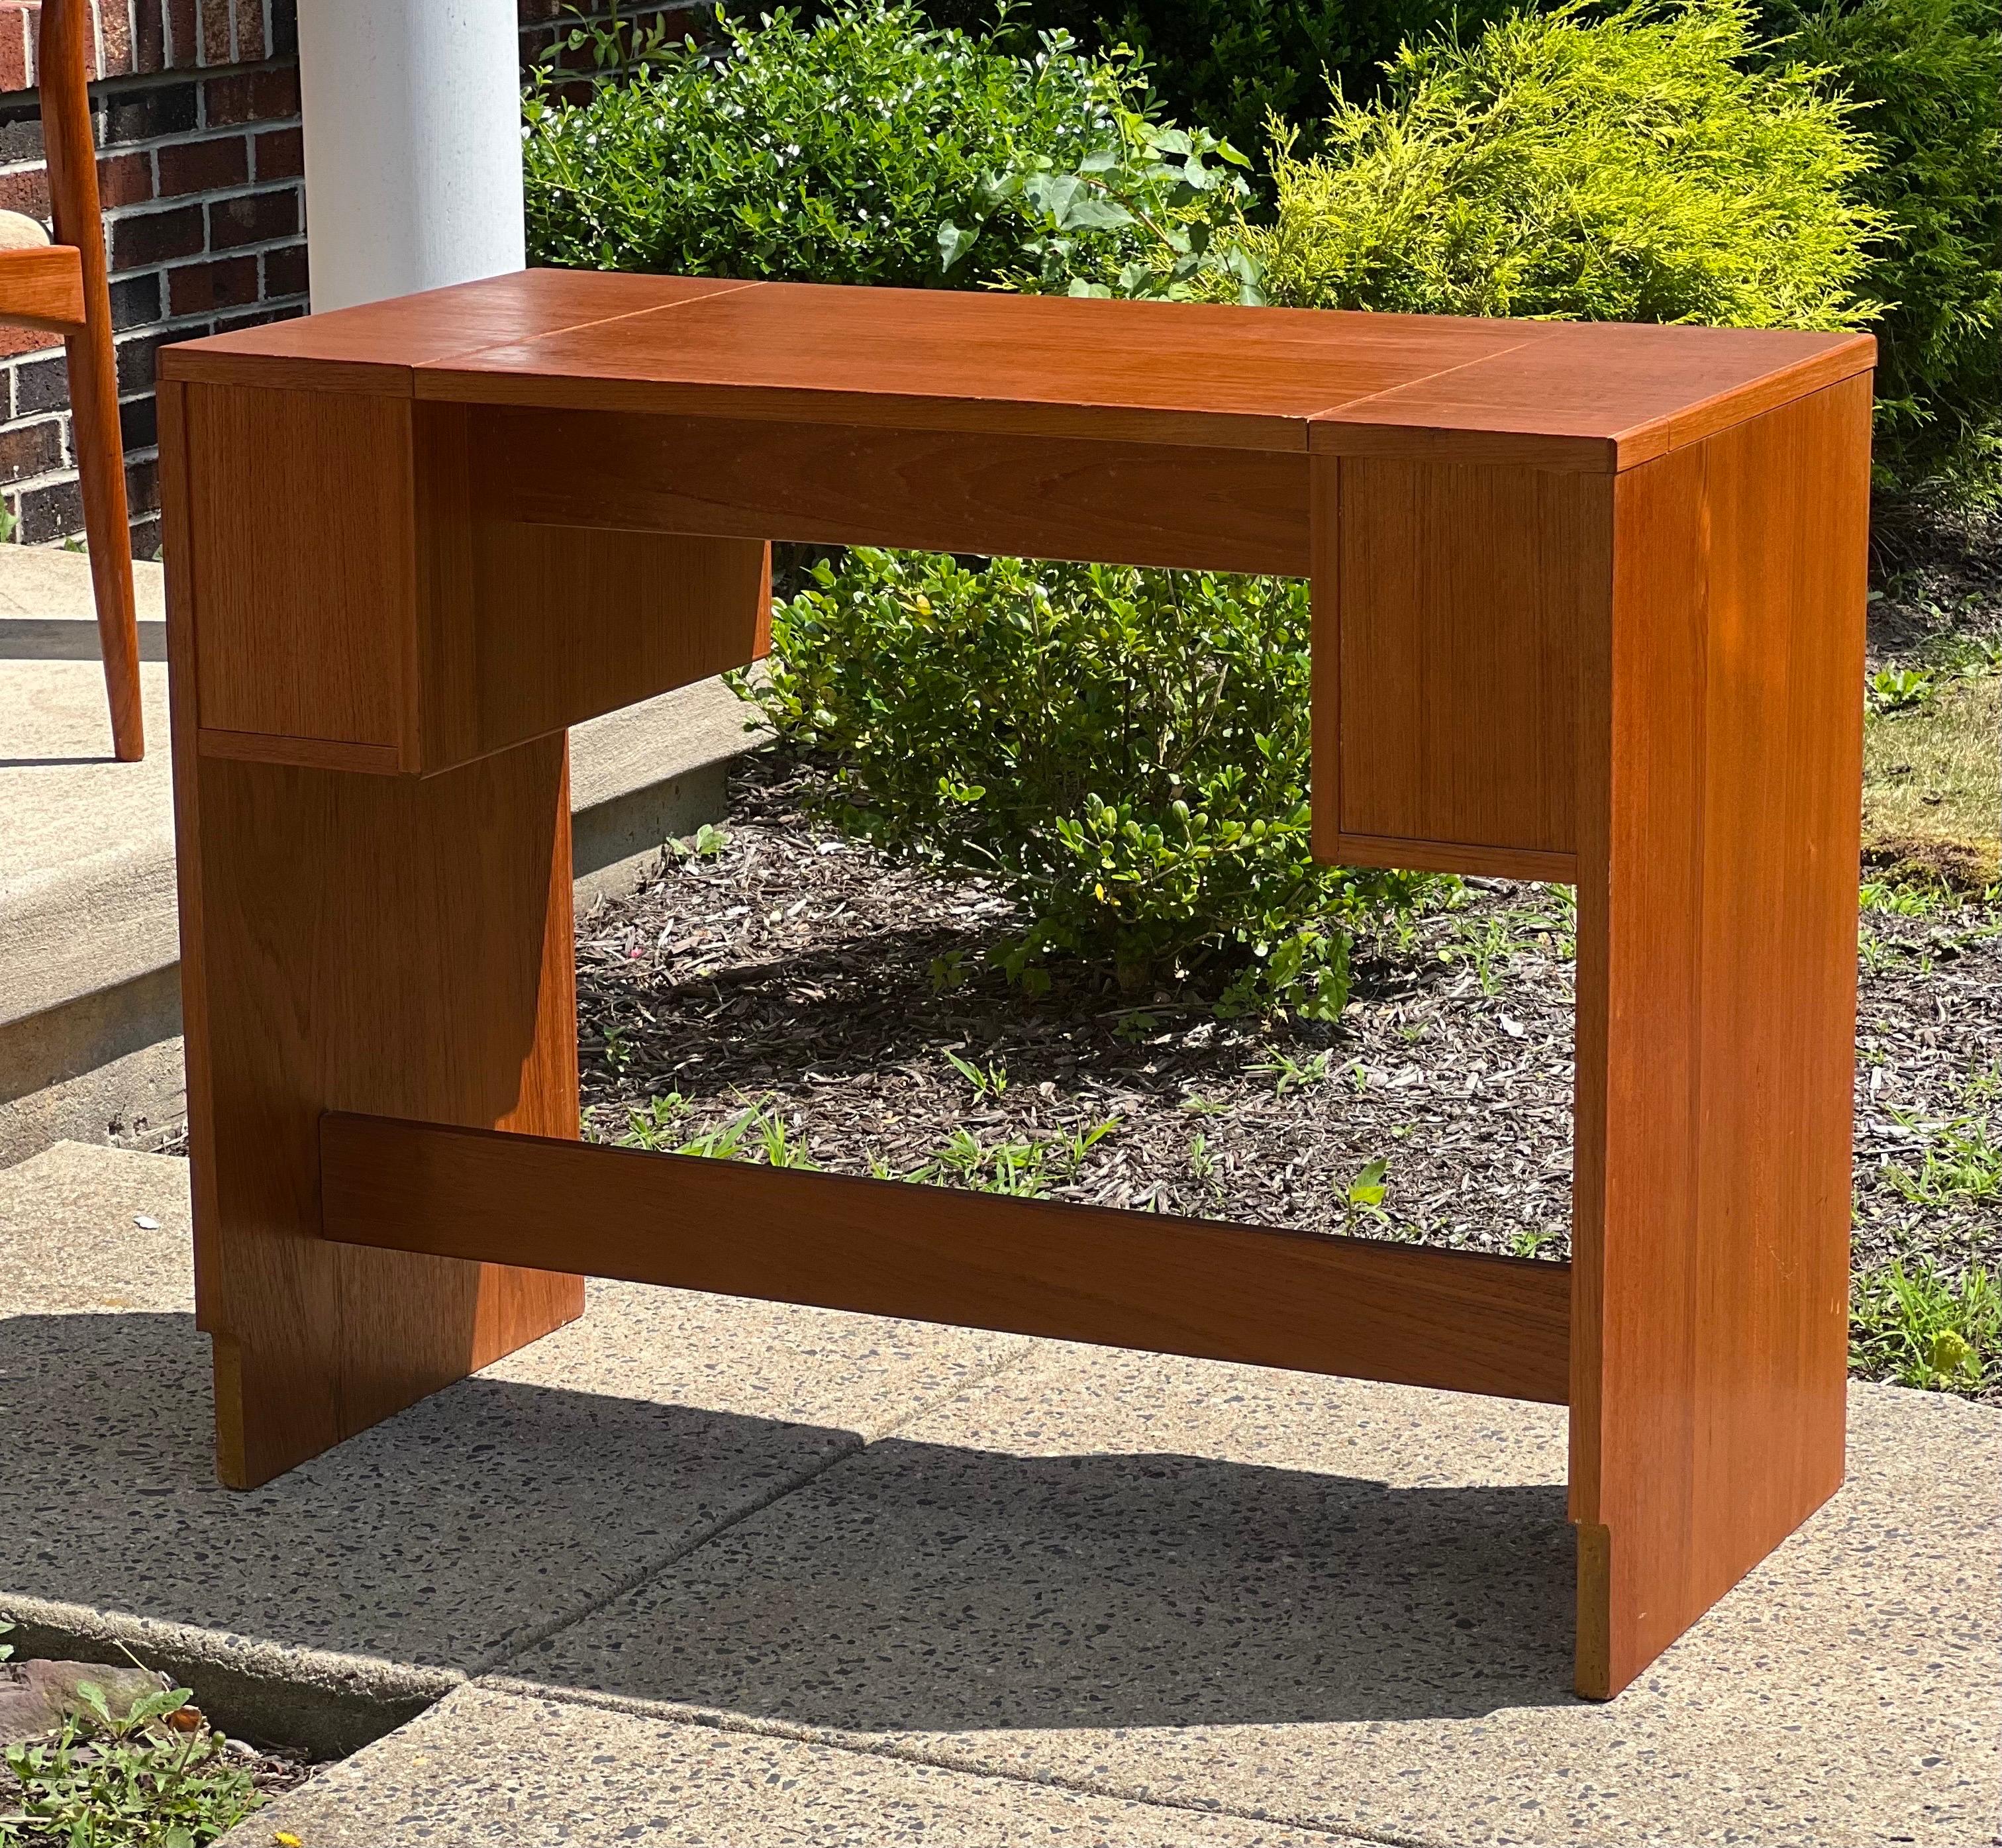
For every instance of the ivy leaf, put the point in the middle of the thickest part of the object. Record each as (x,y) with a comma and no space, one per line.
(953,243)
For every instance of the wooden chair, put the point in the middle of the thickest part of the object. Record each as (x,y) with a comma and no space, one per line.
(60,288)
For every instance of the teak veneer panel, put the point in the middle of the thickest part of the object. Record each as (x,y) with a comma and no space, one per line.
(1591,396)
(306,637)
(1447,614)
(1718,831)
(920,359)
(374,346)
(403,626)
(352,942)
(1598,396)
(528,627)
(1232,509)
(1450,1319)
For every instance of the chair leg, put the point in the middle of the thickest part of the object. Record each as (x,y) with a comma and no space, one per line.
(100,462)
(93,364)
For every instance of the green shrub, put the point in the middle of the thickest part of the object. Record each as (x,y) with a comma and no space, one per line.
(1232,64)
(1928,76)
(1124,752)
(1631,168)
(866,147)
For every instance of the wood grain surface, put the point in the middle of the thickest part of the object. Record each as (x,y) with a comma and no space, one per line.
(1165,372)
(374,346)
(300,557)
(1143,503)
(525,628)
(1448,608)
(352,941)
(1594,396)
(1719,841)
(1451,1319)
(42,287)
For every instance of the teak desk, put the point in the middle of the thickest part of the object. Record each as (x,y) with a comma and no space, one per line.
(1587,606)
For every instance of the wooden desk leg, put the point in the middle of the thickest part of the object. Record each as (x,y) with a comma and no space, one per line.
(1721,767)
(357,942)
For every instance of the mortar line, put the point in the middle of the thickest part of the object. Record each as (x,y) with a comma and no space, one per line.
(838,1739)
(497,1659)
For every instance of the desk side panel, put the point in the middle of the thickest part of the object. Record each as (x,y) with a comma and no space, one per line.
(300,552)
(1720,805)
(1448,602)
(351,941)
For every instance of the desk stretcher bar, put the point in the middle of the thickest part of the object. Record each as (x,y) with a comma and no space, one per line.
(1587,606)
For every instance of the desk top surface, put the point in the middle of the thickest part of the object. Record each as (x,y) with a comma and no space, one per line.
(1598,396)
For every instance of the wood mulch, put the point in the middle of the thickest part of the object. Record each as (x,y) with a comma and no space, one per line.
(797,974)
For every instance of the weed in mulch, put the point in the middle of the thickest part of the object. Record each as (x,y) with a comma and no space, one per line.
(143,1772)
(781,994)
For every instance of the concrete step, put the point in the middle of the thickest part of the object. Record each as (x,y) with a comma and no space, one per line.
(708,1570)
(89,959)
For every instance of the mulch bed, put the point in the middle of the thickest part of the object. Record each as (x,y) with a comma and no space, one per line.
(797,974)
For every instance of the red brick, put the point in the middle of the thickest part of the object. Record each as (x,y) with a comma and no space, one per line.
(114,38)
(183,48)
(196,289)
(250,46)
(253,218)
(285,272)
(41,383)
(25,339)
(281,154)
(203,166)
(53,512)
(144,238)
(142,485)
(31,449)
(26,190)
(215,48)
(149,48)
(14,62)
(253,96)
(124,180)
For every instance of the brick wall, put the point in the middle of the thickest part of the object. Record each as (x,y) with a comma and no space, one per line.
(197,117)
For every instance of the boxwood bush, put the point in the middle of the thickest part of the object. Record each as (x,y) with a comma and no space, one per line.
(1124,752)
(1638,167)
(866,146)
(1926,77)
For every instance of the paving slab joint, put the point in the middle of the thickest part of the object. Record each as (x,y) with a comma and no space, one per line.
(324,1703)
(862,1745)
(512,1648)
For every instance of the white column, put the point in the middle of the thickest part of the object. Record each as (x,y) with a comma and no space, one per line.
(413,115)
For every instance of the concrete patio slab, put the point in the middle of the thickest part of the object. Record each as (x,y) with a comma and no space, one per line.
(1339,1606)
(429,1548)
(489,1766)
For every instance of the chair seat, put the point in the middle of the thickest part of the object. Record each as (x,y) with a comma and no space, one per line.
(18,232)
(41,285)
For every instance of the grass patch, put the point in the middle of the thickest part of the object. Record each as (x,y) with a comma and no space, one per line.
(1921,1326)
(154,1776)
(1932,780)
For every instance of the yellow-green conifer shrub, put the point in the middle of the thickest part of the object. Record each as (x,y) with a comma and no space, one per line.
(1645,166)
